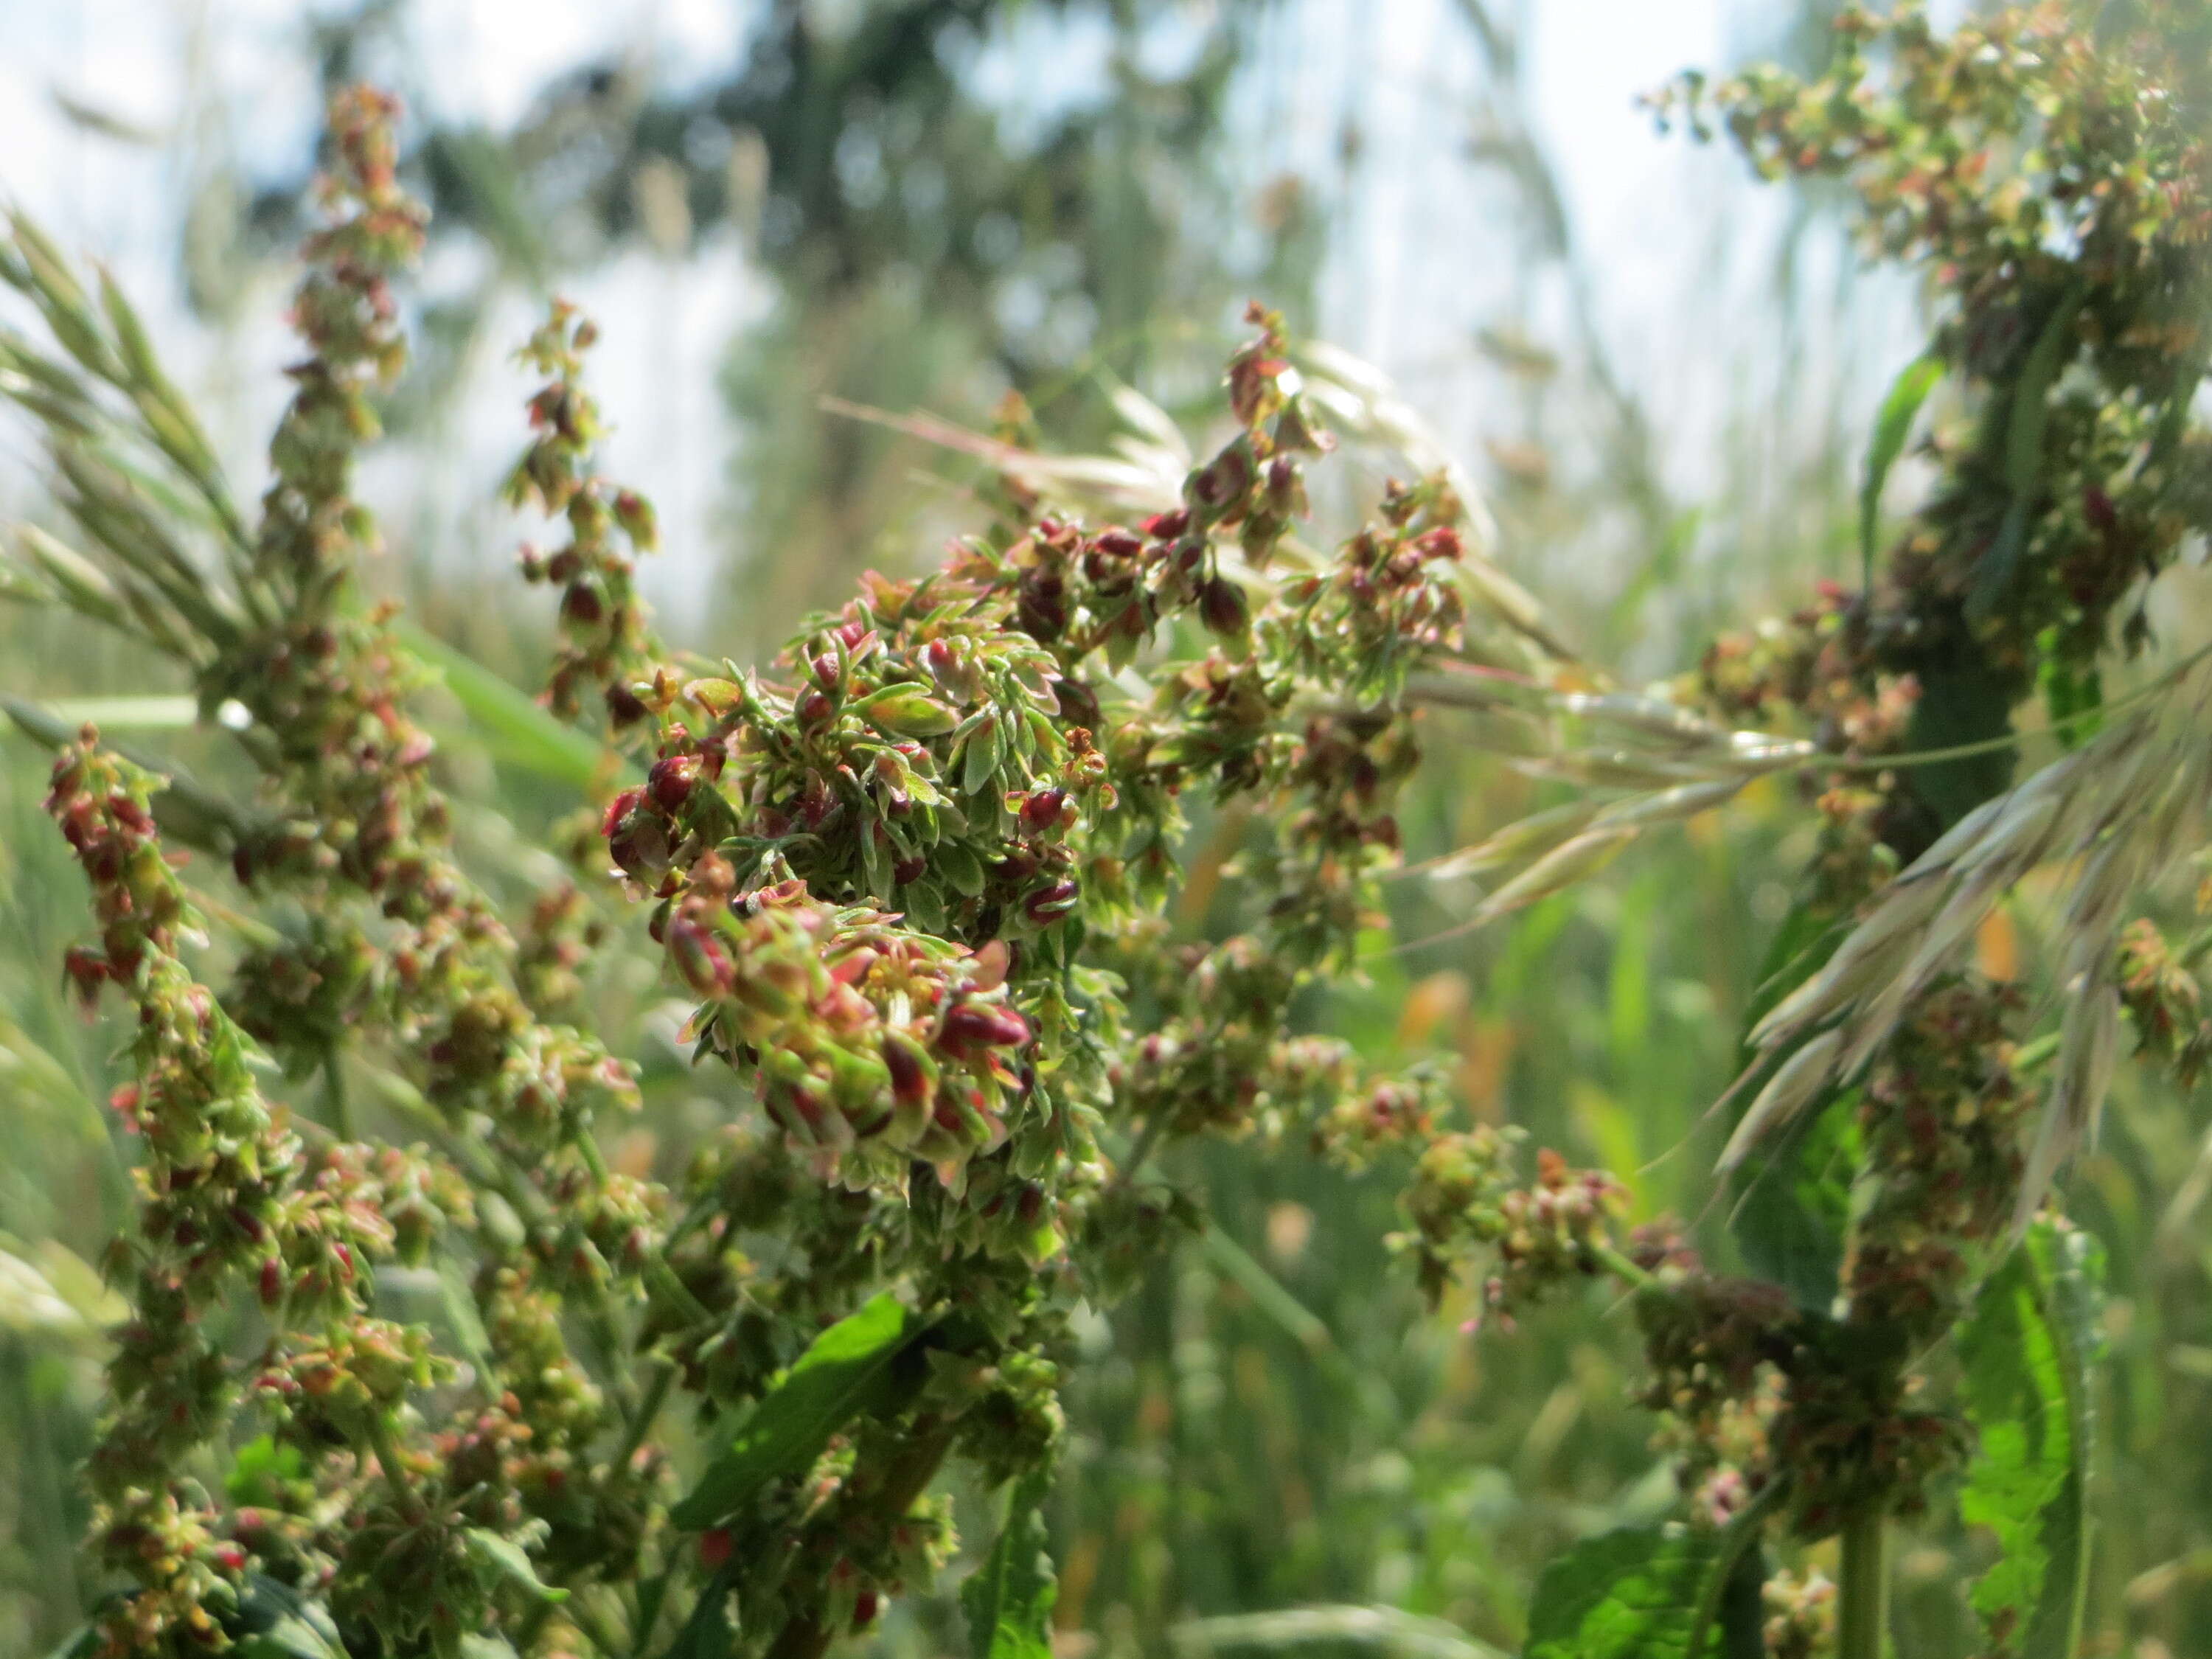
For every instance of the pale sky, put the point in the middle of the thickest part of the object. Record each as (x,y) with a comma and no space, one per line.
(1414,276)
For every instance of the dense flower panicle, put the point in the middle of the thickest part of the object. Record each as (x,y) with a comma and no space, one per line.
(914,877)
(605,644)
(233,1207)
(921,880)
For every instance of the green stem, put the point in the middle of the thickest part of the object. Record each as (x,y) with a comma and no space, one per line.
(1141,1148)
(386,1447)
(908,1476)
(641,1421)
(1618,1265)
(334,1094)
(1863,1596)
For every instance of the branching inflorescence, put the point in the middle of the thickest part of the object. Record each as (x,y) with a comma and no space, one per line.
(916,879)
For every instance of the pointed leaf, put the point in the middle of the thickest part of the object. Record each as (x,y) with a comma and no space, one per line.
(2028,1349)
(501,1556)
(1891,426)
(837,1377)
(1635,1593)
(1790,1201)
(517,731)
(1008,1600)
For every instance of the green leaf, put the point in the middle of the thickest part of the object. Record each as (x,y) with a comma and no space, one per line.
(1635,1593)
(261,1471)
(1891,426)
(2027,419)
(1008,1600)
(503,1557)
(1790,1204)
(2071,695)
(1963,699)
(517,731)
(2028,1349)
(708,1632)
(275,1621)
(847,1366)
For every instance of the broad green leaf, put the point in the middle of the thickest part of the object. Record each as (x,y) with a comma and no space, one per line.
(263,1467)
(2071,696)
(2027,419)
(1891,426)
(709,1633)
(517,730)
(503,1557)
(1790,1202)
(1962,701)
(275,1621)
(2028,1349)
(1634,1593)
(1008,1600)
(786,1430)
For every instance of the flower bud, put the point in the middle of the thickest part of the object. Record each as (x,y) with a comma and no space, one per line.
(909,1066)
(700,958)
(907,712)
(1223,608)
(1048,904)
(671,780)
(1040,810)
(581,604)
(816,710)
(982,1025)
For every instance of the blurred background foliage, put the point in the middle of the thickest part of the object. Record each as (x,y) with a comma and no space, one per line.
(995,210)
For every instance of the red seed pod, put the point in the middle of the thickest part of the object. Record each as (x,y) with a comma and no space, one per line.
(864,1609)
(272,1282)
(910,869)
(671,780)
(829,673)
(852,634)
(904,1060)
(639,845)
(1166,526)
(581,604)
(714,1546)
(1442,543)
(1222,605)
(1048,904)
(816,710)
(700,958)
(619,808)
(982,1025)
(1041,809)
(230,1558)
